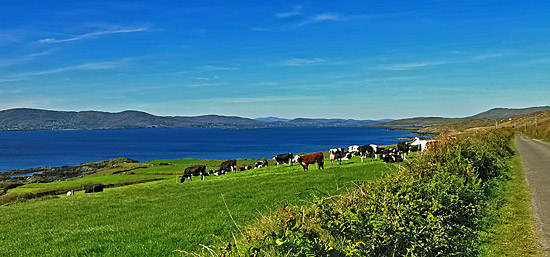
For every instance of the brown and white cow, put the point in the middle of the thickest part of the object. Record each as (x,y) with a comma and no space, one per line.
(306,160)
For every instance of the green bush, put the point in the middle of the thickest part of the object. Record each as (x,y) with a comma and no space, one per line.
(435,206)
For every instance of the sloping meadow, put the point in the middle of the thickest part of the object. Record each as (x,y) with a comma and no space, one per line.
(435,206)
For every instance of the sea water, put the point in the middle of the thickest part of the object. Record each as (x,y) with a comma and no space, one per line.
(30,149)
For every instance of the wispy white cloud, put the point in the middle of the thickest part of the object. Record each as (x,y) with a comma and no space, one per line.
(25,58)
(409,66)
(217,68)
(112,30)
(296,18)
(5,80)
(81,67)
(263,99)
(319,18)
(8,37)
(487,56)
(299,62)
(296,11)
(463,57)
(206,78)
(43,53)
(326,17)
(197,85)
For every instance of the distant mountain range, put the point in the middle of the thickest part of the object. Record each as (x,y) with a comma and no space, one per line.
(271,119)
(496,113)
(36,119)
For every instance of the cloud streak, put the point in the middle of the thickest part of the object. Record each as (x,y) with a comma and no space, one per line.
(264,99)
(25,58)
(410,66)
(216,68)
(112,30)
(296,62)
(295,12)
(326,17)
(80,67)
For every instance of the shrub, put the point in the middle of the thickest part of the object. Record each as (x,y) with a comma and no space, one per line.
(436,206)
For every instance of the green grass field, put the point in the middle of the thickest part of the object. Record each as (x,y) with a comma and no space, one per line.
(156,218)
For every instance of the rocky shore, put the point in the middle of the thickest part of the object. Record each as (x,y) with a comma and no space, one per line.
(53,174)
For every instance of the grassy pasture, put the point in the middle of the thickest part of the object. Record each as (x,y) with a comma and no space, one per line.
(155,218)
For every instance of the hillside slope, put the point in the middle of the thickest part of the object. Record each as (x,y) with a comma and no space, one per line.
(495,113)
(505,113)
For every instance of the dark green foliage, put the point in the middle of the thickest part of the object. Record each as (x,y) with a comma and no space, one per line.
(436,206)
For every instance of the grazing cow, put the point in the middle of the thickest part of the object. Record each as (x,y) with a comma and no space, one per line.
(336,154)
(404,148)
(347,156)
(228,166)
(354,150)
(383,152)
(414,148)
(196,170)
(366,151)
(283,158)
(392,158)
(306,160)
(215,173)
(94,188)
(374,150)
(261,164)
(243,168)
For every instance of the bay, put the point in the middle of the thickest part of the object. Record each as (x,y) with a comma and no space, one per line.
(31,149)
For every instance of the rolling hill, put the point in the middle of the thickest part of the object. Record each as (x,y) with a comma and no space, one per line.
(496,113)
(36,119)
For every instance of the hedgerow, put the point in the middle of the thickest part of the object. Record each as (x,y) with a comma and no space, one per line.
(435,206)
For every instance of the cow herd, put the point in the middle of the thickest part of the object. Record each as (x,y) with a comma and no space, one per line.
(386,154)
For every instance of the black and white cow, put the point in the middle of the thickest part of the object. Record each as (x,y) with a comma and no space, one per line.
(354,150)
(228,166)
(374,150)
(415,148)
(366,151)
(347,156)
(243,168)
(196,170)
(336,154)
(404,148)
(392,158)
(261,164)
(283,158)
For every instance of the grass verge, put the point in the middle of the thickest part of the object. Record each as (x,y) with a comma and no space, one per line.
(515,233)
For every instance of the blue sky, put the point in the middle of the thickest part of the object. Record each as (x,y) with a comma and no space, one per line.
(318,59)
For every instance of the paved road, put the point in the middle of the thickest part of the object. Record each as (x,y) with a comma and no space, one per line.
(535,157)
